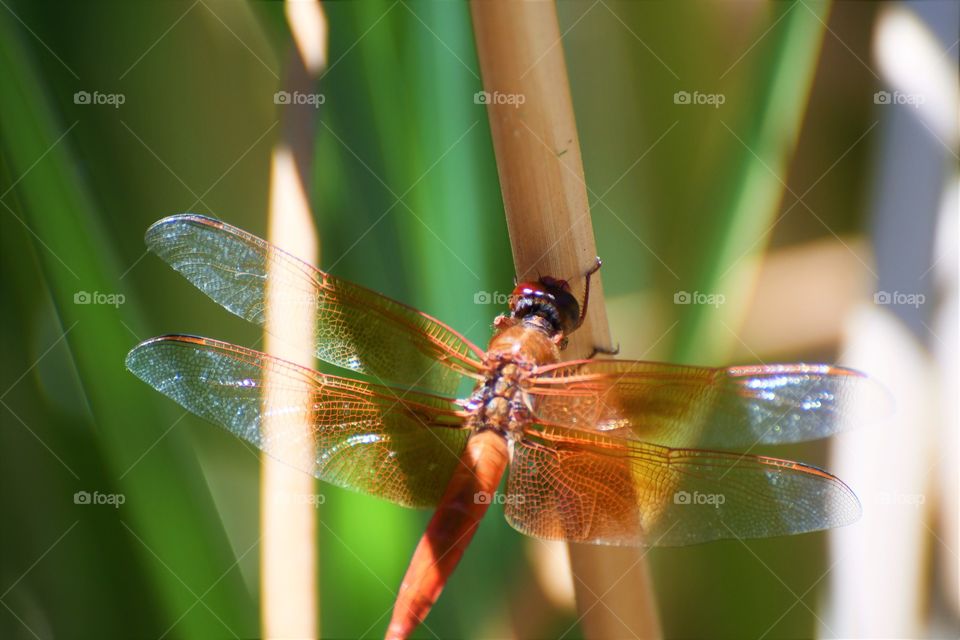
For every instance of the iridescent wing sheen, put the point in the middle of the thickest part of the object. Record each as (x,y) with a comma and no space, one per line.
(675,405)
(568,484)
(398,445)
(356,328)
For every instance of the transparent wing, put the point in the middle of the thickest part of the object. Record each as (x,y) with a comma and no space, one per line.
(675,405)
(398,445)
(566,484)
(356,328)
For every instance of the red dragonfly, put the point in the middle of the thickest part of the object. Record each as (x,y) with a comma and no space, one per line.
(598,450)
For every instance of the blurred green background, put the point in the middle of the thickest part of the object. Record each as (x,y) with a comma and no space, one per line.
(679,192)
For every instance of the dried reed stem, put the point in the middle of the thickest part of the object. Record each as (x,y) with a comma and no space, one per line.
(548,217)
(288,560)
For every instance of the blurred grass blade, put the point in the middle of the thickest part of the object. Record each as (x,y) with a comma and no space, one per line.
(741,206)
(168,510)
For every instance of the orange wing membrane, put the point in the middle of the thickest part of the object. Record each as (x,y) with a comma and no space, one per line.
(356,328)
(402,446)
(676,405)
(566,484)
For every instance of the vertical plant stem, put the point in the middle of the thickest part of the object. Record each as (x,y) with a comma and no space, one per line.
(548,217)
(288,561)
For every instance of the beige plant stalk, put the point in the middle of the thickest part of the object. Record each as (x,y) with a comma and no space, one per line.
(548,217)
(288,560)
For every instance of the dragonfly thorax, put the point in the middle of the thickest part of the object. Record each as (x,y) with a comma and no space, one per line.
(498,402)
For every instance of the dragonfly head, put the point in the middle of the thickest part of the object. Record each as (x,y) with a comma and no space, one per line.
(548,299)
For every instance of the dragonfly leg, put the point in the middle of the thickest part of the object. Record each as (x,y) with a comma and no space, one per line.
(586,289)
(605,351)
